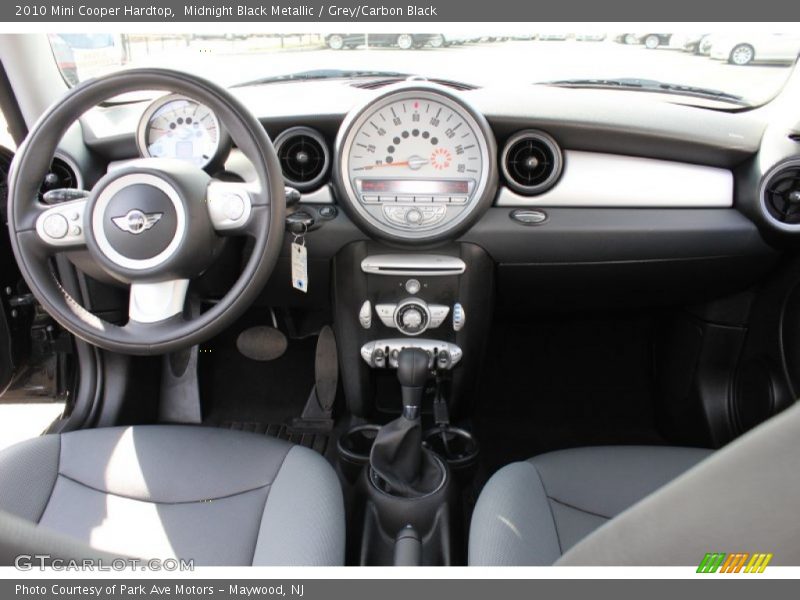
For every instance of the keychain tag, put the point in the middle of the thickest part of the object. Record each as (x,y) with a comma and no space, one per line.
(299,265)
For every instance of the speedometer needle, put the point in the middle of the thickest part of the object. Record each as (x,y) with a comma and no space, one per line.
(414,162)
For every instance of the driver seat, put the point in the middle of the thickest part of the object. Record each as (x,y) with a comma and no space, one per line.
(216,496)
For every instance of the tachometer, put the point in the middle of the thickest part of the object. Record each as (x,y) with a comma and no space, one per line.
(175,126)
(416,164)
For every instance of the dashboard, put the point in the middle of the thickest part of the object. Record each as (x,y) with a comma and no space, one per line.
(417,162)
(575,194)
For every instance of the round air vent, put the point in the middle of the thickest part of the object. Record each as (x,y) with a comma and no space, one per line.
(531,162)
(62,174)
(780,195)
(304,158)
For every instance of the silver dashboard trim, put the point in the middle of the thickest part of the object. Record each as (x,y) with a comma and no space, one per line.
(597,180)
(429,265)
(322,195)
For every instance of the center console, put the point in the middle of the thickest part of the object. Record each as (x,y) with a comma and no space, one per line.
(411,329)
(387,299)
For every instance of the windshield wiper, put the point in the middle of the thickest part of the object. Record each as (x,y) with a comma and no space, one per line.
(318,74)
(650,85)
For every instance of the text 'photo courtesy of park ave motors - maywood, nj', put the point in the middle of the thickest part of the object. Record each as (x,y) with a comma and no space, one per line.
(159,589)
(224,11)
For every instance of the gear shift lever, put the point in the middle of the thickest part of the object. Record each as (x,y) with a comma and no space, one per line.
(397,455)
(412,373)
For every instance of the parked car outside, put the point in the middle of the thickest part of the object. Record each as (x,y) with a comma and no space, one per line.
(590,37)
(404,41)
(626,38)
(651,41)
(686,42)
(744,49)
(555,36)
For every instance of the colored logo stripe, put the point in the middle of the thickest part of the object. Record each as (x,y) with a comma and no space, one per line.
(711,562)
(758,563)
(734,563)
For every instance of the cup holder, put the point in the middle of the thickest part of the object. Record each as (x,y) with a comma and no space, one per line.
(354,448)
(455,445)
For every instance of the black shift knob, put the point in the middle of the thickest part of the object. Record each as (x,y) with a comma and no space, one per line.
(412,367)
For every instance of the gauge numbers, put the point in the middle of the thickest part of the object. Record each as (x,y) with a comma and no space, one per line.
(415,161)
(419,139)
(181,128)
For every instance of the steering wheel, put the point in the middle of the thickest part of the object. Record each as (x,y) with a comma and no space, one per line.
(154,224)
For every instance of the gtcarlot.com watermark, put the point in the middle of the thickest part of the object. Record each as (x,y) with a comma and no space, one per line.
(30,562)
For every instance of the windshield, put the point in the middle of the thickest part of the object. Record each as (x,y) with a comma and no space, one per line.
(728,68)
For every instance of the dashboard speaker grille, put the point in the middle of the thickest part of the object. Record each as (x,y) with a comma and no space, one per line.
(304,157)
(531,162)
(781,194)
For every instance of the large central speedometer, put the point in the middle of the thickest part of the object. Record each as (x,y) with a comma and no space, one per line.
(416,164)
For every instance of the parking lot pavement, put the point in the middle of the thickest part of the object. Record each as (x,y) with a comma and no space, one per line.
(234,61)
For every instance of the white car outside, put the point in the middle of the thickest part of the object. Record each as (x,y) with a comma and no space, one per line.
(747,48)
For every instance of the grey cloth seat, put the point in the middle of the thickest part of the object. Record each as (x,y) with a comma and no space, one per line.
(532,512)
(216,496)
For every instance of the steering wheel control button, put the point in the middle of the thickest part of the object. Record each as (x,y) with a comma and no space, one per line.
(233,206)
(365,315)
(459,317)
(59,226)
(228,205)
(55,226)
(413,286)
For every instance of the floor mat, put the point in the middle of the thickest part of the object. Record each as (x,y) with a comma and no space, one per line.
(564,382)
(237,389)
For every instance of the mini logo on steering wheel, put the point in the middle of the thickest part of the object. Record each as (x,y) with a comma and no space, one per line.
(136,221)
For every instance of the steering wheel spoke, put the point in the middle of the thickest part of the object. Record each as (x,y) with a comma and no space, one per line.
(155,302)
(230,206)
(60,227)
